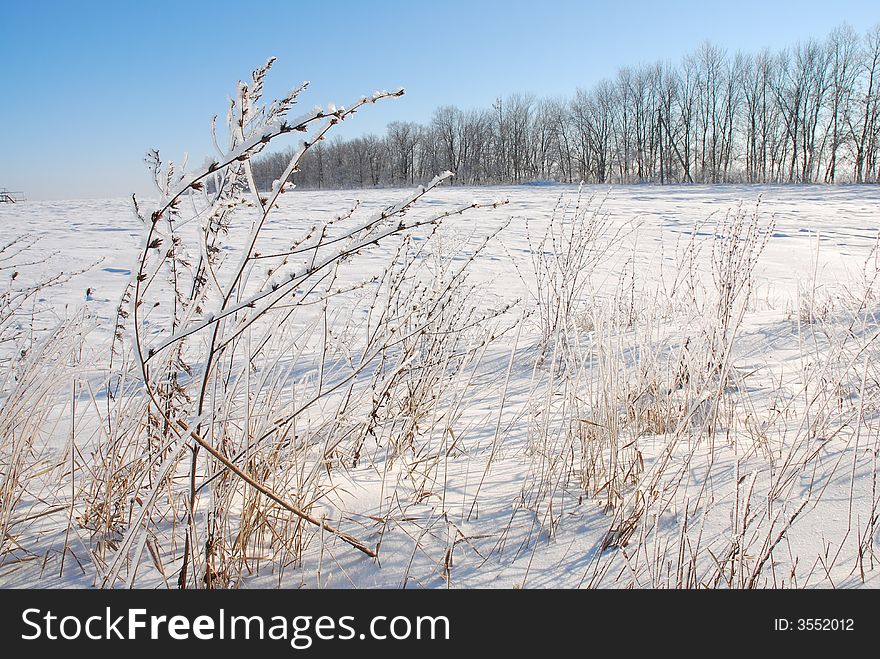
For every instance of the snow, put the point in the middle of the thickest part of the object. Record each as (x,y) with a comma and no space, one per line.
(506,517)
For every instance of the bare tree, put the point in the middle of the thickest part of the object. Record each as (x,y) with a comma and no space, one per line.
(805,114)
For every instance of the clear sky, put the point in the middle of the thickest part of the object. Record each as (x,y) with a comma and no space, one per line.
(87,87)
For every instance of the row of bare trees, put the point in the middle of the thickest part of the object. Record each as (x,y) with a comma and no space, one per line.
(810,113)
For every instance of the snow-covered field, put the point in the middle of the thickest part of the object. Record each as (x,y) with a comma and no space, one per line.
(634,386)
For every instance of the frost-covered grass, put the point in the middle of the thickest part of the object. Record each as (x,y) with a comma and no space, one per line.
(440,387)
(618,393)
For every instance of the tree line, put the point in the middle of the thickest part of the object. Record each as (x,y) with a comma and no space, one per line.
(809,113)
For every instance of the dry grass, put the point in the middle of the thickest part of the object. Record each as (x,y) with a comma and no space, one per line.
(250,391)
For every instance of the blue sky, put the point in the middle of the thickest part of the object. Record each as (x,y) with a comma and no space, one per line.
(88,87)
